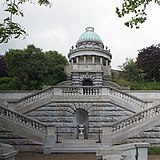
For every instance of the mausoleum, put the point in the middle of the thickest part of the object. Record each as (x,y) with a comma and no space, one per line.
(86,113)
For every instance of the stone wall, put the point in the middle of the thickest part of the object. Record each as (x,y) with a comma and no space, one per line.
(147,95)
(63,116)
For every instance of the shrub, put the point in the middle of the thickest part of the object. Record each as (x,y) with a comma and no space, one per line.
(7,83)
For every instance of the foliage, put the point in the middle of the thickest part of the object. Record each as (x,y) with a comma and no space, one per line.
(2,67)
(34,68)
(137,8)
(145,86)
(154,150)
(9,28)
(138,85)
(148,60)
(8,83)
(131,72)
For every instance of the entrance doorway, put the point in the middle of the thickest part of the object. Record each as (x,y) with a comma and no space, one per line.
(81,118)
(87,82)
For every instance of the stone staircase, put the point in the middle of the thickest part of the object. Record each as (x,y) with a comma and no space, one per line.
(23,125)
(142,118)
(72,94)
(18,141)
(119,131)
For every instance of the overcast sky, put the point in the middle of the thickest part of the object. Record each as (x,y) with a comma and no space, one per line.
(59,27)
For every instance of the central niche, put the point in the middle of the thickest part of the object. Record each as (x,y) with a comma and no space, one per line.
(81,118)
(87,82)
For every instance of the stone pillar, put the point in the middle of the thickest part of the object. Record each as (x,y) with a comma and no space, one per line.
(51,130)
(7,152)
(106,62)
(11,104)
(77,59)
(72,61)
(85,59)
(93,59)
(107,135)
(101,60)
(49,140)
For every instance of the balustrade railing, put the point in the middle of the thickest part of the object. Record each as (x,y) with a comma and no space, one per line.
(136,118)
(34,97)
(23,120)
(79,90)
(125,97)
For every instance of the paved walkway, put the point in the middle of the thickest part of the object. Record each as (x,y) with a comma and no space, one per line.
(39,156)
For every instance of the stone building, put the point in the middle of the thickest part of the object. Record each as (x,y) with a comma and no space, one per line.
(89,61)
(83,113)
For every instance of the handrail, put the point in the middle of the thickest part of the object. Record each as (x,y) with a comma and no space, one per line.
(23,119)
(135,119)
(127,97)
(79,90)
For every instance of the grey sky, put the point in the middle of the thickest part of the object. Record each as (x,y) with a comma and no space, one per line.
(59,27)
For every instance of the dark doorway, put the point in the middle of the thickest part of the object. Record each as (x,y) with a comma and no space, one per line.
(81,118)
(87,82)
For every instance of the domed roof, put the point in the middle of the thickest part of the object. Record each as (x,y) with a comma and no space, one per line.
(89,35)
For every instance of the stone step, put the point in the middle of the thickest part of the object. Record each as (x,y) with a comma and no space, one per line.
(82,141)
(74,150)
(69,146)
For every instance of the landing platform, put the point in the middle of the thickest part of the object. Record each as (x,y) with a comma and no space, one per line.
(76,146)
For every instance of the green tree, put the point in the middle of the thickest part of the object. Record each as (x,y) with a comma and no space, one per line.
(34,68)
(8,27)
(7,83)
(131,72)
(2,67)
(137,8)
(11,29)
(148,60)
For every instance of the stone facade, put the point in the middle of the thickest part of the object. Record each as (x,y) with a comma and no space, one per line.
(86,109)
(89,61)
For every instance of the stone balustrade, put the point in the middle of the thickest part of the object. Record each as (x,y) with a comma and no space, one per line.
(79,91)
(125,97)
(23,120)
(135,119)
(34,97)
(86,66)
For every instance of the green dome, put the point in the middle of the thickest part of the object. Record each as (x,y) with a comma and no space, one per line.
(89,35)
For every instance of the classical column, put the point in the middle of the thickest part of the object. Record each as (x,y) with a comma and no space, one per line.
(72,61)
(93,59)
(77,59)
(101,60)
(85,59)
(106,61)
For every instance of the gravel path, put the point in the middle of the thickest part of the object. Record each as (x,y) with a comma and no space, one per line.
(39,156)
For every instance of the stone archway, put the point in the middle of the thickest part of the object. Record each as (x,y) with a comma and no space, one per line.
(87,82)
(81,118)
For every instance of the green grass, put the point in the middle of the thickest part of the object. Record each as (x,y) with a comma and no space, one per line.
(154,150)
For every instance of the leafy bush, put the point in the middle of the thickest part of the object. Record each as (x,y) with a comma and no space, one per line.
(7,83)
(145,86)
(122,82)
